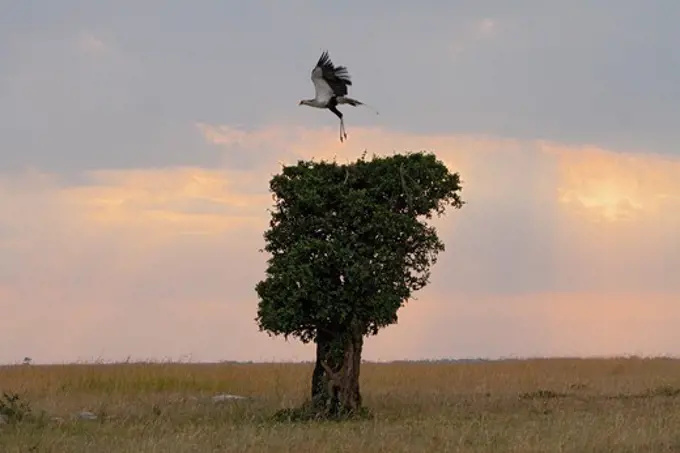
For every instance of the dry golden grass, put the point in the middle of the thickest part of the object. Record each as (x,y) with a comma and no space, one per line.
(555,405)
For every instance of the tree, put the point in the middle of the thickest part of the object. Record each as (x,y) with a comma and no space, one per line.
(349,245)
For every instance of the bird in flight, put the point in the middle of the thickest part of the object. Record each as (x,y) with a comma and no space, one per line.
(330,83)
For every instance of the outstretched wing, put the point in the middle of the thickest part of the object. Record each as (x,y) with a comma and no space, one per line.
(328,79)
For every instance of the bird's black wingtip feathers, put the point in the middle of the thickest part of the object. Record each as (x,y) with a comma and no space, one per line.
(327,65)
(324,59)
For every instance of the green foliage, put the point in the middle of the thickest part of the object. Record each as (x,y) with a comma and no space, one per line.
(349,243)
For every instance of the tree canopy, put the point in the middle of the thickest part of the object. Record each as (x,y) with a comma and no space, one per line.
(347,242)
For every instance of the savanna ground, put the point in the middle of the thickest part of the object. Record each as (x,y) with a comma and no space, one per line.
(551,405)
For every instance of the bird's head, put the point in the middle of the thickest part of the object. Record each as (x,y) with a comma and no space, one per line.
(303,102)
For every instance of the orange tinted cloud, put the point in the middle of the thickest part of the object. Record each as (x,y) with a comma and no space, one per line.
(163,262)
(172,201)
(614,186)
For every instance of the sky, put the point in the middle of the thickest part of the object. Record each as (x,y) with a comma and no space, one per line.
(138,139)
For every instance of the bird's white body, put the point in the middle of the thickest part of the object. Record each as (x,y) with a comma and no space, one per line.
(330,86)
(324,93)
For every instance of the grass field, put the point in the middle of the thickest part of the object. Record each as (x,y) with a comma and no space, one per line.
(551,405)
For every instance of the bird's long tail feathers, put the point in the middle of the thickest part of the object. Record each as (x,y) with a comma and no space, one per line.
(355,103)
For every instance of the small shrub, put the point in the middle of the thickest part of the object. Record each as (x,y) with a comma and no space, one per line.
(663,391)
(13,409)
(542,394)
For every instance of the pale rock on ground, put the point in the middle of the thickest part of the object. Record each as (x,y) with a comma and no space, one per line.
(226,397)
(86,415)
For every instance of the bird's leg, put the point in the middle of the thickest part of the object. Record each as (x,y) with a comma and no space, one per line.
(338,113)
(342,129)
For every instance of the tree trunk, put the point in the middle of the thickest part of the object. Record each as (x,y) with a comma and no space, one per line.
(335,380)
(321,395)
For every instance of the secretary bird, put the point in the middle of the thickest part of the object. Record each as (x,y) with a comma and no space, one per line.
(330,83)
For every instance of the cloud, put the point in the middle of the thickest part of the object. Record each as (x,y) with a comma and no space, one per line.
(487,27)
(474,34)
(90,44)
(555,245)
(616,186)
(182,200)
(79,101)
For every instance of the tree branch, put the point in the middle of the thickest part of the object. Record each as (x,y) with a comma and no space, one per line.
(403,185)
(324,330)
(333,377)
